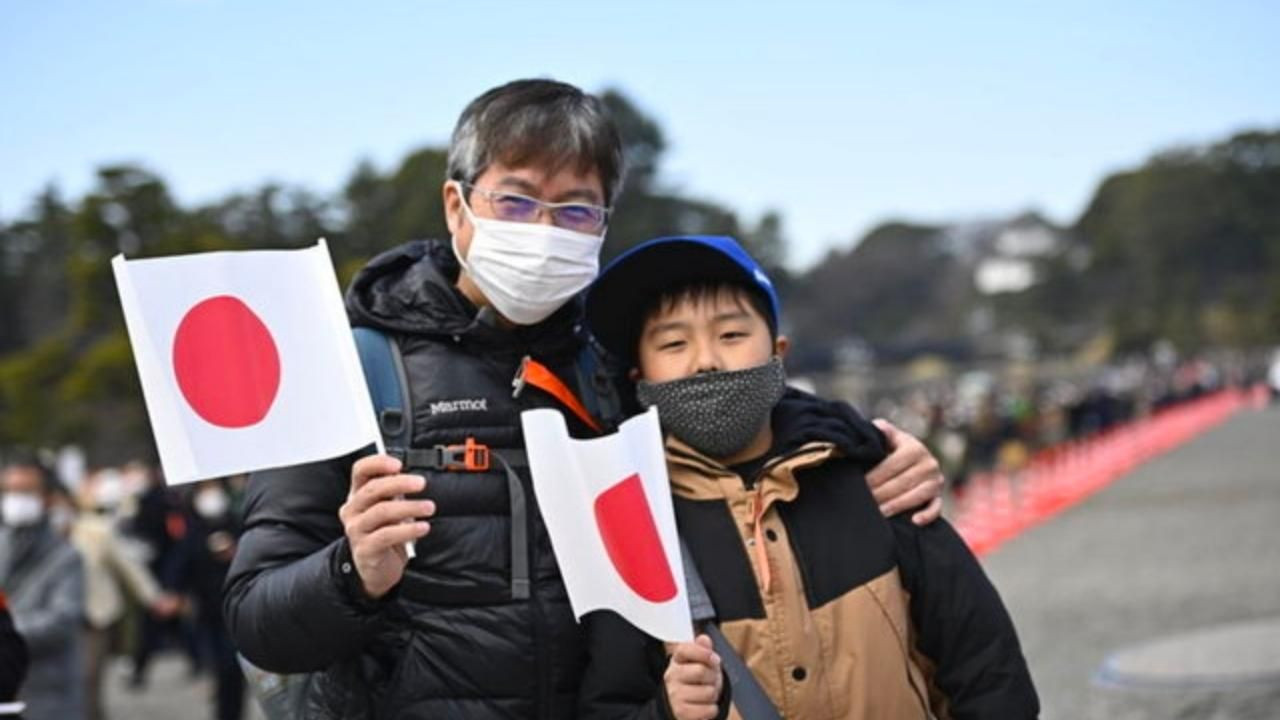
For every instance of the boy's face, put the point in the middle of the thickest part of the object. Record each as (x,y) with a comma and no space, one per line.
(704,334)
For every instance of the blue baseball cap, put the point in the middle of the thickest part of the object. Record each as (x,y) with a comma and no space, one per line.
(628,284)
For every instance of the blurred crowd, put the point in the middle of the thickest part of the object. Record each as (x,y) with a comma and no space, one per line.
(99,571)
(979,422)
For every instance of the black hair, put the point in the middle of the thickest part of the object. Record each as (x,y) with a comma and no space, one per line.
(49,482)
(537,122)
(699,291)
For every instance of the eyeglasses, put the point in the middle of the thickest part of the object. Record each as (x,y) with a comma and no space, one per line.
(514,207)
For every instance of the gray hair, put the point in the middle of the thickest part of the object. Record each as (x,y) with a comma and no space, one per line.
(537,122)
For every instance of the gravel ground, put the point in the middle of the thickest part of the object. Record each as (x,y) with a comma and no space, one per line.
(171,693)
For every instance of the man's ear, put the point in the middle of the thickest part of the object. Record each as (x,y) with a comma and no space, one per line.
(781,346)
(451,194)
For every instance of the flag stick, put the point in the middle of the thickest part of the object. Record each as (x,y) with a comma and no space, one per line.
(381,447)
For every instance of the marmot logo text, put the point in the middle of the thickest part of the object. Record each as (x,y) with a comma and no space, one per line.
(451,406)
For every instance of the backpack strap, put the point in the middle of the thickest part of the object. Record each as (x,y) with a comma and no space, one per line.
(520,582)
(474,457)
(598,392)
(388,387)
(752,701)
(534,373)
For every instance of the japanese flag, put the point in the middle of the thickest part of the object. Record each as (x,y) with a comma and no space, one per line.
(246,359)
(607,506)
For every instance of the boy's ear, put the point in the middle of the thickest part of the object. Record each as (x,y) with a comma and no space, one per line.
(781,346)
(633,374)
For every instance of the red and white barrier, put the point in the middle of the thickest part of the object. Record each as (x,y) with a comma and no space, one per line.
(997,506)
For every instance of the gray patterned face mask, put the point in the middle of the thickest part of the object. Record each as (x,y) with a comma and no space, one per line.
(717,413)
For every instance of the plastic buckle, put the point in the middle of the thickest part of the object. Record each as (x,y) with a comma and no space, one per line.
(470,456)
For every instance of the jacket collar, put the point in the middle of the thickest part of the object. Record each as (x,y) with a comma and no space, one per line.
(695,476)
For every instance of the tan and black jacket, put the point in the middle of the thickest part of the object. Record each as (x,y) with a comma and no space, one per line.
(839,612)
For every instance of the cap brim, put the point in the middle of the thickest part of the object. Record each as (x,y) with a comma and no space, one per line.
(622,292)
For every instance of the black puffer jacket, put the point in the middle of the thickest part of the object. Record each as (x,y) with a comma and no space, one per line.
(451,640)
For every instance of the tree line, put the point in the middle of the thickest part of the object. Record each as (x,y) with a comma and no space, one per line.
(1185,247)
(66,368)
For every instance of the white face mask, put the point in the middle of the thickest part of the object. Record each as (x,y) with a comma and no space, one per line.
(109,491)
(61,518)
(211,503)
(19,509)
(528,270)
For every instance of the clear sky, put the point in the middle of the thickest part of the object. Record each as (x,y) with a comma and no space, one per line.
(838,114)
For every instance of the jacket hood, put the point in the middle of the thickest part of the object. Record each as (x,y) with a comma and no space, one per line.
(411,289)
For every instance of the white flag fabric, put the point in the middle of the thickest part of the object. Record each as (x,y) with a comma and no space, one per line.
(246,359)
(607,506)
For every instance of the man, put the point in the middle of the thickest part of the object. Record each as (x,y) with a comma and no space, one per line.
(197,569)
(44,580)
(478,625)
(157,523)
(112,574)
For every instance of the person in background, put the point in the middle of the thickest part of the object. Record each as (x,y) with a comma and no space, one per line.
(13,662)
(62,510)
(159,523)
(197,568)
(44,578)
(111,570)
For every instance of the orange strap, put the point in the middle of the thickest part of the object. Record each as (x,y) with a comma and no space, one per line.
(536,374)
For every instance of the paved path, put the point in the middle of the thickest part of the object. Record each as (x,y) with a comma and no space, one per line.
(1189,540)
(171,694)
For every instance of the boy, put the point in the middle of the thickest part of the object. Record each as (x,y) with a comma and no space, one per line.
(837,611)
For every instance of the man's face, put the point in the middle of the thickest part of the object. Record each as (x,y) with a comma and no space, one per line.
(21,479)
(566,185)
(23,500)
(707,333)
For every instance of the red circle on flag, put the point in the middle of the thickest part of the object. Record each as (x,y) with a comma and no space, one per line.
(226,362)
(632,541)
